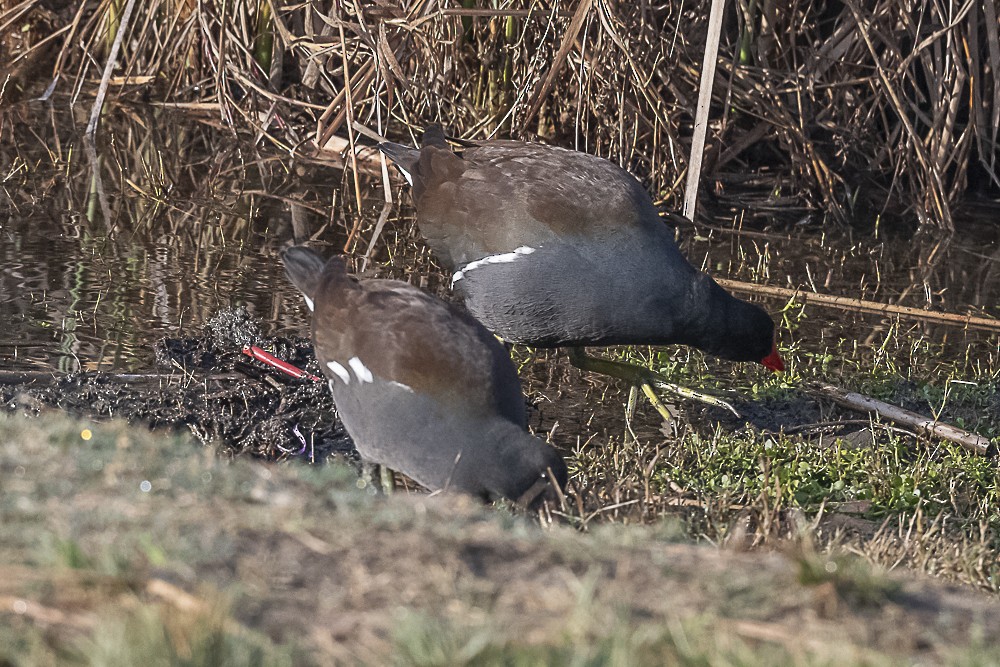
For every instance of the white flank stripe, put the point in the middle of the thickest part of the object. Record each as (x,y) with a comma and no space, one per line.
(329,383)
(309,302)
(401,385)
(491,259)
(406,175)
(339,371)
(364,375)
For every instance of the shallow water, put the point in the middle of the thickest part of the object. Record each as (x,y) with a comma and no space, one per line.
(197,221)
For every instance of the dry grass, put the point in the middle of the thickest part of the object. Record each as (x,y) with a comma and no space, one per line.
(850,109)
(136,548)
(215,215)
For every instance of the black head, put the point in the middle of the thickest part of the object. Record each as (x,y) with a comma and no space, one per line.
(304,267)
(548,486)
(526,469)
(740,331)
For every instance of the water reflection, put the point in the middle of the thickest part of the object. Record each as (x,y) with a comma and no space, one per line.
(193,229)
(197,219)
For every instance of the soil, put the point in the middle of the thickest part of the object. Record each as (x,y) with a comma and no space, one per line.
(209,386)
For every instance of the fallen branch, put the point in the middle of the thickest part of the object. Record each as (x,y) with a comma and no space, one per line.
(861,305)
(922,425)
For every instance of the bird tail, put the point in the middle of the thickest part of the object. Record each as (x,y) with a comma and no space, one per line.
(434,136)
(403,156)
(406,158)
(305,268)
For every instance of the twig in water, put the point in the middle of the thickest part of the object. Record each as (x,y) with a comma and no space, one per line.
(25,377)
(861,305)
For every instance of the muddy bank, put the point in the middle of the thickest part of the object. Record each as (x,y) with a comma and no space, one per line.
(210,386)
(207,385)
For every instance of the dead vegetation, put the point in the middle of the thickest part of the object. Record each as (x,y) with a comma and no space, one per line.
(821,108)
(847,109)
(123,547)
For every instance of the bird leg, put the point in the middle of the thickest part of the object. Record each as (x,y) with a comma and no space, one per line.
(376,478)
(645,379)
(388,480)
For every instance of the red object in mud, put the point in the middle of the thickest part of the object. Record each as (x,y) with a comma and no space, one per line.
(271,360)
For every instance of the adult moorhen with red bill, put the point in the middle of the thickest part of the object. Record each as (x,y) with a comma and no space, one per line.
(422,387)
(551,247)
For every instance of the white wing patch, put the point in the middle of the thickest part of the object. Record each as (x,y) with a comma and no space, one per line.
(406,175)
(364,375)
(401,385)
(339,371)
(309,303)
(492,259)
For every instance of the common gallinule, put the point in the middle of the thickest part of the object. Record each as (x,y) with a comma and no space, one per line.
(555,248)
(422,387)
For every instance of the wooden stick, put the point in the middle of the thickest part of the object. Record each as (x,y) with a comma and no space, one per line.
(861,305)
(98,108)
(349,108)
(708,65)
(922,425)
(20,377)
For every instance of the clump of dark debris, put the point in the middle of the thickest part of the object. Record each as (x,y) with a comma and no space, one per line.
(209,386)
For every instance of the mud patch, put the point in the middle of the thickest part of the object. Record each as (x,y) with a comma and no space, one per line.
(209,386)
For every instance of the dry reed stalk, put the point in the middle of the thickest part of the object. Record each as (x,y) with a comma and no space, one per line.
(891,106)
(862,305)
(707,81)
(568,41)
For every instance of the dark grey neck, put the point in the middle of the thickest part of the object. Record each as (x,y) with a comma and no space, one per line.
(724,326)
(521,459)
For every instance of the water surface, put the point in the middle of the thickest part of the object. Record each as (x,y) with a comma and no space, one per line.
(196,219)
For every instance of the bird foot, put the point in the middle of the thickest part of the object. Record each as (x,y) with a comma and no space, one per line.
(649,381)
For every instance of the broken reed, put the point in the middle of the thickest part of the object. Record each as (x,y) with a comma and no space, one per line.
(855,109)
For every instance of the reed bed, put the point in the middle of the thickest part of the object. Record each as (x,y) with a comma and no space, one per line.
(851,110)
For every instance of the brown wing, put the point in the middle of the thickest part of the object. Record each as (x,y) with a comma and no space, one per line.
(403,335)
(504,194)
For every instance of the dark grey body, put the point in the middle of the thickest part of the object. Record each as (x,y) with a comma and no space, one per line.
(421,387)
(441,446)
(527,302)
